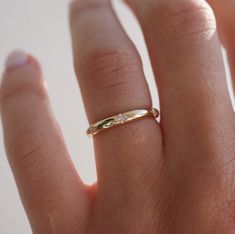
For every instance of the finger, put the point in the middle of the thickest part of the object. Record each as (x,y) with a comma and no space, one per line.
(224,12)
(47,181)
(186,57)
(111,79)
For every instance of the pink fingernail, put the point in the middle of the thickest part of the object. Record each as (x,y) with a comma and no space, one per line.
(17,58)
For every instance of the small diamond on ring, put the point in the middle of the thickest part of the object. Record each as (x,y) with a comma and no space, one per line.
(92,130)
(120,119)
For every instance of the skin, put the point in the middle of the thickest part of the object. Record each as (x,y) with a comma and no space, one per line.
(176,176)
(226,18)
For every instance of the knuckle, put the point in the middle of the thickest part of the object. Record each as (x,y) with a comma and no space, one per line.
(179,19)
(107,68)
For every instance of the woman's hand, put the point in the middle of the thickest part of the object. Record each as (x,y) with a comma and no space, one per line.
(172,177)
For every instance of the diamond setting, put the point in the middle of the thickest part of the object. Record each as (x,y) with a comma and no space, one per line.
(91,130)
(155,112)
(120,119)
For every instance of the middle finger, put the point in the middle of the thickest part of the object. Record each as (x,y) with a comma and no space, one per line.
(186,57)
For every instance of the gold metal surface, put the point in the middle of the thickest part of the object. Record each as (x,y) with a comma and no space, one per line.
(120,119)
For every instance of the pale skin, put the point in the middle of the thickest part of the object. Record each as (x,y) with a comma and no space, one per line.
(176,176)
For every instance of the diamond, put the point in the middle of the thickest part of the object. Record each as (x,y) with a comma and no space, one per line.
(155,112)
(120,119)
(91,130)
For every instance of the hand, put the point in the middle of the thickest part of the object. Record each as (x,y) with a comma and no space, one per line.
(172,177)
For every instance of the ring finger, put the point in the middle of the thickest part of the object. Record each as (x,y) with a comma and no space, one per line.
(111,79)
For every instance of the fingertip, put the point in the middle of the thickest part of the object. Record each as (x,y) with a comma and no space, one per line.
(19,59)
(20,64)
(16,59)
(22,72)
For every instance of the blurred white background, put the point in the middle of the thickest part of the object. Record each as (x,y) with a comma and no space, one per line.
(41,28)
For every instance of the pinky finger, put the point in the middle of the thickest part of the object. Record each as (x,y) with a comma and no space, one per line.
(46,178)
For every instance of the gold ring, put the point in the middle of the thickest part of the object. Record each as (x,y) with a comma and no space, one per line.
(121,119)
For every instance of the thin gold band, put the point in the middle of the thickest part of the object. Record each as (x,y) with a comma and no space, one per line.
(120,119)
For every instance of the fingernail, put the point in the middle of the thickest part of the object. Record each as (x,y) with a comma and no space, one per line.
(16,59)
